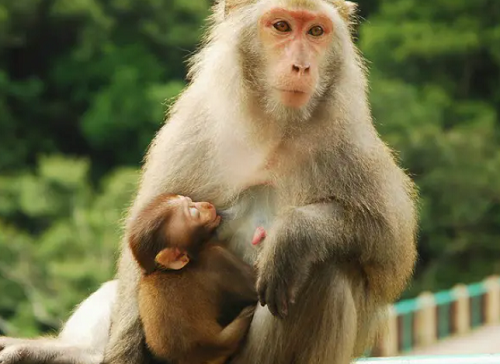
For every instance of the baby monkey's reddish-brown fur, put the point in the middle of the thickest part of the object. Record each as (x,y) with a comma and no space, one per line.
(189,284)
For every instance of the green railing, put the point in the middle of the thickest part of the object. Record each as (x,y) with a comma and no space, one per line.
(444,359)
(419,322)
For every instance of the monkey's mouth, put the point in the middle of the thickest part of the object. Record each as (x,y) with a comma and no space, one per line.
(293,98)
(215,222)
(214,218)
(297,92)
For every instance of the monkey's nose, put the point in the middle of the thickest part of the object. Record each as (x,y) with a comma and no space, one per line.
(301,68)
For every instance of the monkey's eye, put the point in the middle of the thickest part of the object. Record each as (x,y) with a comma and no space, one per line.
(193,211)
(282,26)
(316,31)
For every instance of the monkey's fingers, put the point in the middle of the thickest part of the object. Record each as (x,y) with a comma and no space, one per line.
(277,301)
(273,292)
(261,290)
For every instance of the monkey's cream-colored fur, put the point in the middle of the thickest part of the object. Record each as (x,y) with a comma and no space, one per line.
(81,341)
(339,212)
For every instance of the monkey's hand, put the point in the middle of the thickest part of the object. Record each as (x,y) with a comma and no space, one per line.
(283,268)
(298,240)
(279,281)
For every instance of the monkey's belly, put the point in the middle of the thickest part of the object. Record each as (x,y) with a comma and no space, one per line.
(256,208)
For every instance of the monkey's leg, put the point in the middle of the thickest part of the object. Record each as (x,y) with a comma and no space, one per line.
(320,328)
(53,351)
(126,336)
(226,342)
(81,341)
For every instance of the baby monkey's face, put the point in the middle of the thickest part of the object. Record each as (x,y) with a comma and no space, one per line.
(190,221)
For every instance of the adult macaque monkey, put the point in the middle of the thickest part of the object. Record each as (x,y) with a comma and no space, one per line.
(275,125)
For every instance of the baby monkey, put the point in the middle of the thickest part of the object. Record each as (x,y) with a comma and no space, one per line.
(190,284)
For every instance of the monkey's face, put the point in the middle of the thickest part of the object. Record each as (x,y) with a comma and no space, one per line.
(295,43)
(291,52)
(190,223)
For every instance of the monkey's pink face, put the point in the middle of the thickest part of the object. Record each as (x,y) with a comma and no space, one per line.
(295,43)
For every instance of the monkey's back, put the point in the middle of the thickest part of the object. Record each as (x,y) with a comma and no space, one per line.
(179,310)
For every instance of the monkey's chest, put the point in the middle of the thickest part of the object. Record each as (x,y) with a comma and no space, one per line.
(243,163)
(256,208)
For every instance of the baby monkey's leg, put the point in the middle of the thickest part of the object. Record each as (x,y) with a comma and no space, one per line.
(222,345)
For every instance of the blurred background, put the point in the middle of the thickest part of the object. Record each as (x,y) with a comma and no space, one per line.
(83,85)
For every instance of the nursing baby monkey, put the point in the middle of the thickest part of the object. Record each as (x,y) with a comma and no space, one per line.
(275,130)
(189,283)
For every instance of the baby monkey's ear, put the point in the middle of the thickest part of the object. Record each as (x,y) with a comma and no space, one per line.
(172,258)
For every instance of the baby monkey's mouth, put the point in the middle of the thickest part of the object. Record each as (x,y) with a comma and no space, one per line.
(213,218)
(226,214)
(216,220)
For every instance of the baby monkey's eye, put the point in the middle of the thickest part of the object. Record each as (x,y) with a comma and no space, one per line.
(194,212)
(316,31)
(282,26)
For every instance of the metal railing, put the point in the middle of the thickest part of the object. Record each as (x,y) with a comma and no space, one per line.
(443,359)
(422,321)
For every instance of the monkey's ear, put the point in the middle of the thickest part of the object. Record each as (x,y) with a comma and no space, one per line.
(172,258)
(230,5)
(346,9)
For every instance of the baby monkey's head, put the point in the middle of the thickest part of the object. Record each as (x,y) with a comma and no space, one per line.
(170,231)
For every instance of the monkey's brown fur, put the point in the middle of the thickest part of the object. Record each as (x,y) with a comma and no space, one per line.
(181,309)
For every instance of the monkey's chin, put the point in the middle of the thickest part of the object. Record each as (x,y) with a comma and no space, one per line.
(294,99)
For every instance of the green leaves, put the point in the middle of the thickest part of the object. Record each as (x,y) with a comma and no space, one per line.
(433,75)
(82,77)
(58,239)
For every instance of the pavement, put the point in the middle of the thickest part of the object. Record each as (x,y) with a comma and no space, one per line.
(485,340)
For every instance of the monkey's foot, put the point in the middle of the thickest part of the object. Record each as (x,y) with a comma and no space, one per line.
(13,351)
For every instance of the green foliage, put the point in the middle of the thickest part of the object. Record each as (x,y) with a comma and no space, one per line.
(59,239)
(435,99)
(83,77)
(84,86)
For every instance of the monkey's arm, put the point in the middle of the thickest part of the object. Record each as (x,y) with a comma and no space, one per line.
(329,231)
(235,277)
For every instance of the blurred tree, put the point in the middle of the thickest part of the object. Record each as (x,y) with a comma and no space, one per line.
(58,242)
(434,74)
(90,77)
